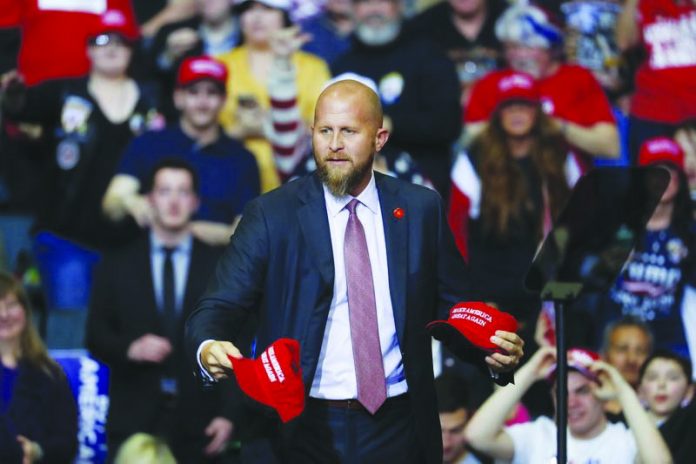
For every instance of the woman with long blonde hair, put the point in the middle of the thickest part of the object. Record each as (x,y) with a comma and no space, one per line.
(38,416)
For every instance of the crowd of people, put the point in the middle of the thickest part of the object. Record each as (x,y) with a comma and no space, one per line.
(165,139)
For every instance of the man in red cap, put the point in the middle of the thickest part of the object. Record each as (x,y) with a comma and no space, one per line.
(352,264)
(591,437)
(230,176)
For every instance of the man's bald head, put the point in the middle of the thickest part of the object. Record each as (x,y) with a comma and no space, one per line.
(346,134)
(353,93)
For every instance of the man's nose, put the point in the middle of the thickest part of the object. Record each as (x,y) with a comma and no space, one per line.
(633,358)
(336,142)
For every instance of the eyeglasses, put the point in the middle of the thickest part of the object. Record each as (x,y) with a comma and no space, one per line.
(102,40)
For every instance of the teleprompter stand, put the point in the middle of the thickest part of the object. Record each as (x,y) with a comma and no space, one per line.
(592,238)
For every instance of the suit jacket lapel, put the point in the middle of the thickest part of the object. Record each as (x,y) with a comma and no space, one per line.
(396,237)
(196,268)
(148,286)
(315,227)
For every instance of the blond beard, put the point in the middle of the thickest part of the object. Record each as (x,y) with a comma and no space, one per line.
(340,183)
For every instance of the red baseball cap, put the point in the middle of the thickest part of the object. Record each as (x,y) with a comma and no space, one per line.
(115,21)
(661,150)
(579,359)
(274,378)
(517,86)
(468,330)
(196,68)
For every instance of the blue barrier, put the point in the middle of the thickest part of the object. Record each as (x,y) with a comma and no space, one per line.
(66,271)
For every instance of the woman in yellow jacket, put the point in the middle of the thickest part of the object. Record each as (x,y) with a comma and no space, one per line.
(268,52)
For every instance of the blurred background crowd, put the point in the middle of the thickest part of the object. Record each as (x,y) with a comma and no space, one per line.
(134,132)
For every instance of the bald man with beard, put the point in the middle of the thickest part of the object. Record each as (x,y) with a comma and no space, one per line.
(291,266)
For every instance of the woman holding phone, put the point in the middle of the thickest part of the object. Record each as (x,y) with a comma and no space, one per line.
(268,52)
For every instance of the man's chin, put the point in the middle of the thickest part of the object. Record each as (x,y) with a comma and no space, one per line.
(203,122)
(339,187)
(175,226)
(336,179)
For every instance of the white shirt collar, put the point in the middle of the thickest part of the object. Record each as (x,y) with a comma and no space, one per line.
(368,197)
(157,245)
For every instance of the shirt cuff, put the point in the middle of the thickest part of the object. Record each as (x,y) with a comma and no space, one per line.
(494,375)
(202,370)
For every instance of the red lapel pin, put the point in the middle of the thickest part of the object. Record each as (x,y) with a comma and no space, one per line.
(398,213)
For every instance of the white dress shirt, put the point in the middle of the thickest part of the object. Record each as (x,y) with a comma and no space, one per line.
(335,375)
(181,257)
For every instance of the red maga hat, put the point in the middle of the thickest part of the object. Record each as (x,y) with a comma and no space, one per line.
(468,330)
(517,86)
(579,359)
(274,378)
(661,150)
(115,21)
(196,68)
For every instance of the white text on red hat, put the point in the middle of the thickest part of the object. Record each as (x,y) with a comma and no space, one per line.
(207,67)
(515,81)
(470,314)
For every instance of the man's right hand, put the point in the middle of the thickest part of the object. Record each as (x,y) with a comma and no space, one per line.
(214,358)
(539,365)
(139,207)
(287,41)
(181,41)
(149,348)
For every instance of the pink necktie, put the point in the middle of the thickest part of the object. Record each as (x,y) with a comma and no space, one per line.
(364,334)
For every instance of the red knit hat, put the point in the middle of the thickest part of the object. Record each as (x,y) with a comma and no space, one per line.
(274,378)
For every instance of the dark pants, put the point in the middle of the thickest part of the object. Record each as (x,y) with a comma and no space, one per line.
(327,434)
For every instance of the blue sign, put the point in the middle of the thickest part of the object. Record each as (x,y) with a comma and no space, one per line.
(89,382)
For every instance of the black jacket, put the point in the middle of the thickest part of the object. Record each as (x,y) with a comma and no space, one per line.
(123,308)
(42,409)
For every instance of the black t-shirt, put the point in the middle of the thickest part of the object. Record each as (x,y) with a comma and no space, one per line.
(472,57)
(83,151)
(146,9)
(679,432)
(498,263)
(419,91)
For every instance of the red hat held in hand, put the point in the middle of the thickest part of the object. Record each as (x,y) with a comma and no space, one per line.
(274,378)
(468,330)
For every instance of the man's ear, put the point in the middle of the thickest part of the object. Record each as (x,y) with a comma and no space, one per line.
(381,138)
(178,98)
(148,197)
(689,394)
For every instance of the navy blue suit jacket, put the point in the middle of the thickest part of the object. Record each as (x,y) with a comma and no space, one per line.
(279,270)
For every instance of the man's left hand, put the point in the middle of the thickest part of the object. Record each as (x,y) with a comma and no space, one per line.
(512,344)
(220,431)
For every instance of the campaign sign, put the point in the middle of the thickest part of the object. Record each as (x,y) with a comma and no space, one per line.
(89,381)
